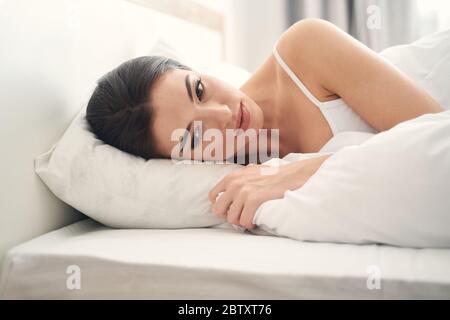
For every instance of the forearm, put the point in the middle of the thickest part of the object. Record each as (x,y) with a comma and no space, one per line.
(310,165)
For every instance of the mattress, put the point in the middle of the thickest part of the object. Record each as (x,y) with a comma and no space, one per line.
(215,263)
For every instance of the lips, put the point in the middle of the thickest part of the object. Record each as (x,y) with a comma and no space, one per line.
(238,117)
(242,118)
(245,122)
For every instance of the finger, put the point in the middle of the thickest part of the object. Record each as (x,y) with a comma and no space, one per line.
(219,187)
(235,210)
(220,207)
(248,212)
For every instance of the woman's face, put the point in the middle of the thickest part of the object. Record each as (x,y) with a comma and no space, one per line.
(195,114)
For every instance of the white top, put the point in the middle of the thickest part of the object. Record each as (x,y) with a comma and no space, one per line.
(338,114)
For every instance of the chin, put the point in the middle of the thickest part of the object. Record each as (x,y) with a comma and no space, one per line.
(256,121)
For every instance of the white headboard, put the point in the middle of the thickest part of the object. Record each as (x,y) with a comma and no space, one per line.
(51,54)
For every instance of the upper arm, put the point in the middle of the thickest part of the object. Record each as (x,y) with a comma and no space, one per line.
(380,93)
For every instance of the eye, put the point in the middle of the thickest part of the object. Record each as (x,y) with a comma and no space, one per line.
(199,89)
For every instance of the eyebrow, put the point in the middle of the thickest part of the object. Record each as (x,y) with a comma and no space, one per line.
(187,82)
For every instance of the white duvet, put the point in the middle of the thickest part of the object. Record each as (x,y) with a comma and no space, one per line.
(393,188)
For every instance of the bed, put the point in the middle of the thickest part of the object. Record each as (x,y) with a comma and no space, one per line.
(45,243)
(216,263)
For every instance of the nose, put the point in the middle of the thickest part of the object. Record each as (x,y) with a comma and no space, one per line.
(218,116)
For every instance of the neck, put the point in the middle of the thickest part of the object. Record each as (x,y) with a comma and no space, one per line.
(265,93)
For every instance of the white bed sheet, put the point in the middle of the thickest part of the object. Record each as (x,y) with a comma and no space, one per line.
(214,263)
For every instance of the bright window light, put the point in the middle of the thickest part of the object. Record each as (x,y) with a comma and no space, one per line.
(436,12)
(427,6)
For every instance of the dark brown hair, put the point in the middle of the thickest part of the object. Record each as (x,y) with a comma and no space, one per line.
(119,112)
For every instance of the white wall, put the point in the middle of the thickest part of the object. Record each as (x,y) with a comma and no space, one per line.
(252,28)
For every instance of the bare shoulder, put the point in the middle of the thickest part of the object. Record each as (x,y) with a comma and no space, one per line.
(309,28)
(299,48)
(304,46)
(308,36)
(334,61)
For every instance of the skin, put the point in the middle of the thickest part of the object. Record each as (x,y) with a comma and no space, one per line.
(214,102)
(331,64)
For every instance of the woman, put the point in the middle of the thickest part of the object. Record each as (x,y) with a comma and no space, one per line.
(319,81)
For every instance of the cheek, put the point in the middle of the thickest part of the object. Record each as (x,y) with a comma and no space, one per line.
(226,92)
(213,151)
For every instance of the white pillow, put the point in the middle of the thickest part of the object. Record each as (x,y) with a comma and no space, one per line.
(221,69)
(164,47)
(427,61)
(124,191)
(393,189)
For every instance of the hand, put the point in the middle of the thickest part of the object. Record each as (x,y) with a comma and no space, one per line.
(246,189)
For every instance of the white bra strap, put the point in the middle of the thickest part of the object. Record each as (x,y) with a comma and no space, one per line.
(294,78)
